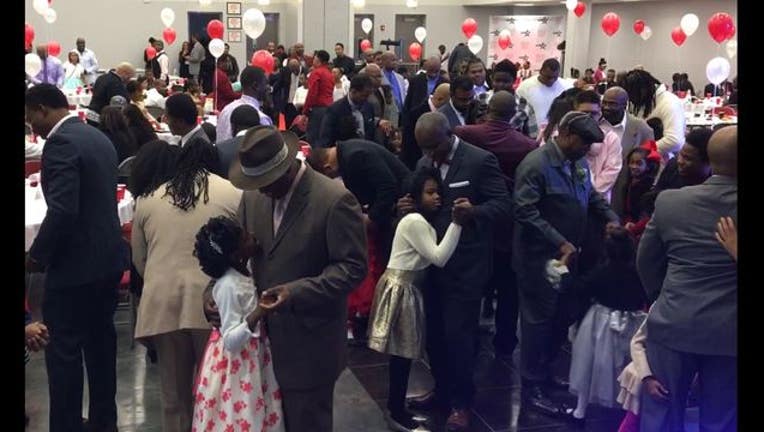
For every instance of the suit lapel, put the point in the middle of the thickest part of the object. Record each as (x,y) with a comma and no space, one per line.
(262,215)
(456,163)
(296,205)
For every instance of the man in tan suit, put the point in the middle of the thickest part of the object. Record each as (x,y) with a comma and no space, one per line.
(311,254)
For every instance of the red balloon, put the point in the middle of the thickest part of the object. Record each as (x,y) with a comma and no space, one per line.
(469,27)
(639,26)
(169,35)
(151,52)
(610,23)
(215,29)
(415,51)
(504,41)
(28,35)
(263,60)
(365,45)
(678,36)
(54,48)
(721,27)
(579,9)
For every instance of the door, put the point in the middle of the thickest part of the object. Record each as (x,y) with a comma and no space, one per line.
(197,22)
(271,34)
(404,32)
(359,34)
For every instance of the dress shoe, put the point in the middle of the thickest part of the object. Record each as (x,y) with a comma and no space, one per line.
(537,398)
(401,422)
(90,427)
(458,421)
(558,383)
(426,402)
(575,422)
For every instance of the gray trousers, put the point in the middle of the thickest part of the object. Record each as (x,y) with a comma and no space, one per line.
(675,370)
(308,410)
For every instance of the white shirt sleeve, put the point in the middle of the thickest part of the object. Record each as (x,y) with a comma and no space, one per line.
(92,66)
(235,301)
(164,64)
(671,114)
(421,236)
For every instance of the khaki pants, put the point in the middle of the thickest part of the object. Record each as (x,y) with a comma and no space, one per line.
(179,354)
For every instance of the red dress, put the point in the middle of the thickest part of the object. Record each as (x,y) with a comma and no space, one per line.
(359,301)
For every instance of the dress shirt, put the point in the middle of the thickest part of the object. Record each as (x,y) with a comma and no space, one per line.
(618,129)
(280,205)
(32,150)
(480,89)
(356,110)
(395,87)
(431,82)
(164,65)
(445,165)
(58,125)
(320,89)
(184,139)
(458,114)
(89,61)
(605,162)
(154,98)
(224,130)
(293,84)
(432,105)
(52,72)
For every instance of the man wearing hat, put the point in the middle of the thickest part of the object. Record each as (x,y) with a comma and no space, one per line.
(553,196)
(311,254)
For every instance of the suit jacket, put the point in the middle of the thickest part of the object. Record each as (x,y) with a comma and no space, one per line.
(374,175)
(460,54)
(474,174)
(281,83)
(410,151)
(330,125)
(80,240)
(417,93)
(107,86)
(199,134)
(451,115)
(197,55)
(227,151)
(636,132)
(680,259)
(319,252)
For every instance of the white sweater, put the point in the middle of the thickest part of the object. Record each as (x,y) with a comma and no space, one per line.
(234,295)
(415,244)
(668,108)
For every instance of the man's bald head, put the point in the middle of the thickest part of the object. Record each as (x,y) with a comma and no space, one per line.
(433,133)
(441,95)
(614,103)
(125,70)
(722,151)
(502,106)
(432,66)
(294,65)
(375,73)
(387,59)
(616,93)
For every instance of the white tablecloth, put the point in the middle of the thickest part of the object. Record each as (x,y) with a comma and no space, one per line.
(78,99)
(35,209)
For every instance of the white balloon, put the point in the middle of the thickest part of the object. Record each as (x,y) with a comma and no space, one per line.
(718,70)
(731,48)
(646,33)
(168,17)
(217,46)
(359,3)
(205,2)
(32,64)
(263,2)
(475,44)
(253,22)
(40,6)
(367,25)
(50,16)
(689,24)
(420,33)
(571,4)
(412,3)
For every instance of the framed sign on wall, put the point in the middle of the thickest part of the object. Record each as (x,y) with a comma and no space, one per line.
(233,8)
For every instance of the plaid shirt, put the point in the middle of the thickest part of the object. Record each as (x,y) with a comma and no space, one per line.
(524,120)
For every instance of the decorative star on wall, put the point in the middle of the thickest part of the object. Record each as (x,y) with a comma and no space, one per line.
(524,57)
(510,20)
(526,33)
(557,33)
(542,46)
(495,57)
(544,20)
(495,32)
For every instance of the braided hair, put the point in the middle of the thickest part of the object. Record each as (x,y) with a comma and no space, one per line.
(215,244)
(640,86)
(197,160)
(154,165)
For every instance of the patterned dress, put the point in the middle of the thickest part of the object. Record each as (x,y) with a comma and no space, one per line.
(236,389)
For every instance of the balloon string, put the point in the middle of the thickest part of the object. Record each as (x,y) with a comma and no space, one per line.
(215,75)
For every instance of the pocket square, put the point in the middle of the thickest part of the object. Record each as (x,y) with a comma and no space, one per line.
(459,184)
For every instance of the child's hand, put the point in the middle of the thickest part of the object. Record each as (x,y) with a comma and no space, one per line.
(655,389)
(37,336)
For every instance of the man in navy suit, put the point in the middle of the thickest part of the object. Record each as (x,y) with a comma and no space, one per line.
(453,293)
(461,109)
(79,245)
(354,105)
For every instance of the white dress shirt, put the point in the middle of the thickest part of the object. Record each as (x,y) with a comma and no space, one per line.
(33,150)
(89,61)
(224,130)
(618,129)
(154,98)
(293,85)
(458,114)
(280,205)
(58,125)
(164,64)
(415,245)
(445,165)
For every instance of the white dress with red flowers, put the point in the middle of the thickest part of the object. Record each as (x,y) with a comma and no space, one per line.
(236,389)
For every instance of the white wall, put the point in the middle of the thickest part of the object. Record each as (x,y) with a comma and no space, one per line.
(118,30)
(659,55)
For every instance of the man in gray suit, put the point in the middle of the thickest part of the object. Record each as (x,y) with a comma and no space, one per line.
(242,118)
(458,108)
(195,57)
(181,114)
(692,326)
(311,254)
(632,131)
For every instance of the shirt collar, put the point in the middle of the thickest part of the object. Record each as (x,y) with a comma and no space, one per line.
(432,106)
(353,106)
(293,186)
(250,101)
(58,125)
(242,132)
(453,148)
(187,136)
(461,116)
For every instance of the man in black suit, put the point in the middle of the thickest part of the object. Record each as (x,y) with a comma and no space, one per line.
(354,105)
(108,85)
(462,108)
(345,63)
(242,118)
(285,84)
(453,293)
(422,85)
(79,246)
(410,151)
(181,114)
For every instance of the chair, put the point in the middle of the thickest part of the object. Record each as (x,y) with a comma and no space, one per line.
(31,167)
(156,112)
(127,299)
(123,171)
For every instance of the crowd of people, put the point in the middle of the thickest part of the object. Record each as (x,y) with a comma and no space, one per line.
(400,204)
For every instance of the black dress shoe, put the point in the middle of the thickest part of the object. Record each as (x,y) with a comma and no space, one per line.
(537,398)
(577,423)
(558,383)
(426,402)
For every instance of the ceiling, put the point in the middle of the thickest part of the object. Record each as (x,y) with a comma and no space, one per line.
(492,2)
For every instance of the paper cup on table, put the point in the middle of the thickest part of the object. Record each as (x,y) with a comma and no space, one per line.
(121,192)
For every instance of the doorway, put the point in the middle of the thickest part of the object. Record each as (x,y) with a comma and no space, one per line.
(404,32)
(271,34)
(359,34)
(197,22)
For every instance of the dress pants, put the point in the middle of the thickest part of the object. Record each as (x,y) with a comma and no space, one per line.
(543,324)
(675,370)
(290,113)
(504,281)
(179,354)
(308,410)
(315,118)
(80,319)
(452,329)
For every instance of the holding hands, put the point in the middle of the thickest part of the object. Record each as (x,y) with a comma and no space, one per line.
(462,212)
(37,336)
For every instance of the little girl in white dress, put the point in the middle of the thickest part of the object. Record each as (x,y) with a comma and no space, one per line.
(236,388)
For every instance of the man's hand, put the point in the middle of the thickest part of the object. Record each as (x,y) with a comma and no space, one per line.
(462,211)
(385,126)
(629,226)
(33,266)
(210,308)
(405,205)
(37,336)
(567,252)
(611,226)
(274,298)
(655,389)
(726,233)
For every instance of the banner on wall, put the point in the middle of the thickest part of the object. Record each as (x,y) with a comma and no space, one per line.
(533,38)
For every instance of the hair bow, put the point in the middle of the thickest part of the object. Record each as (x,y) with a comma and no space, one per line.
(652,151)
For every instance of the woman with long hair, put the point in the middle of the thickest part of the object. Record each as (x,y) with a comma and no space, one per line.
(114,125)
(138,125)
